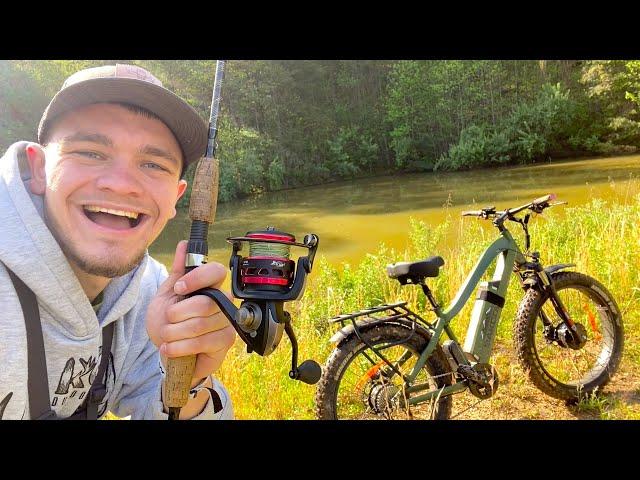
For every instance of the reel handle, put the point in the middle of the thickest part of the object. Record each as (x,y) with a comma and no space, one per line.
(309,372)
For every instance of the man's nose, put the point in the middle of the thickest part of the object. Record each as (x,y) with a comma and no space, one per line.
(120,179)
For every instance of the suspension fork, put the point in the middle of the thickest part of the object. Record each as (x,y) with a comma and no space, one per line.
(544,283)
(549,288)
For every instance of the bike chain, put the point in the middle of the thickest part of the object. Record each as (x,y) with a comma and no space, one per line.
(466,409)
(433,377)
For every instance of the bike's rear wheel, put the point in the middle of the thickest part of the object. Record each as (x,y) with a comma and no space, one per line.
(356,384)
(562,371)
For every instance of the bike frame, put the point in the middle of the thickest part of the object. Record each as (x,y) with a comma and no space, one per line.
(483,327)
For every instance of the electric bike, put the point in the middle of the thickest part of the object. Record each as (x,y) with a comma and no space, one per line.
(391,363)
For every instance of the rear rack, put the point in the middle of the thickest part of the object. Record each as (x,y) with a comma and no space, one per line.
(393,311)
(381,314)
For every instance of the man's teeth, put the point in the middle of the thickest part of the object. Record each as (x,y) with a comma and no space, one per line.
(120,213)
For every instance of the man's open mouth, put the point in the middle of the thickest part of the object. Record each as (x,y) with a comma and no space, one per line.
(111,218)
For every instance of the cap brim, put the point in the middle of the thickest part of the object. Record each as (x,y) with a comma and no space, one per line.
(186,124)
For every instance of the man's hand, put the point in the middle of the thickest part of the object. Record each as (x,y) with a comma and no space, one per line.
(193,326)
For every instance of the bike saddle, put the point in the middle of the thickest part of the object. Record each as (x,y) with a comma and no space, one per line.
(415,271)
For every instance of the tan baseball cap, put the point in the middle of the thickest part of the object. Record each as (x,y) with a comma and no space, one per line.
(134,85)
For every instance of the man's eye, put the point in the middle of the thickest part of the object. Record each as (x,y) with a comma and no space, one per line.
(155,166)
(88,154)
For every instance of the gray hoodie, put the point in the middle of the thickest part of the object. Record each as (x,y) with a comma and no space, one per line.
(70,327)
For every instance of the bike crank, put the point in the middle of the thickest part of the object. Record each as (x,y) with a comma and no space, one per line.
(482,378)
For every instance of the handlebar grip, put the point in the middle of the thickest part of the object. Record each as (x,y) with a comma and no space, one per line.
(472,213)
(545,199)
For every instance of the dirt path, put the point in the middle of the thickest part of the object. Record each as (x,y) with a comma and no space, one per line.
(518,399)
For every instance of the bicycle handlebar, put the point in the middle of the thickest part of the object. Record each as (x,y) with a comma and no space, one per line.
(537,205)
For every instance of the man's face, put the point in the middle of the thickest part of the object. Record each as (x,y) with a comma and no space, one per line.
(111,184)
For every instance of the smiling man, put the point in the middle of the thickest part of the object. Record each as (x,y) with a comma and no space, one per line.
(88,317)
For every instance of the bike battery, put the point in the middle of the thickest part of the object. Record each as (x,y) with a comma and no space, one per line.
(484,319)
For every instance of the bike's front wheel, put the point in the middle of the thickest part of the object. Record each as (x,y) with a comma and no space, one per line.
(357,384)
(559,363)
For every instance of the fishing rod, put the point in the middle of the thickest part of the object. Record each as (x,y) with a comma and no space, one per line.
(264,280)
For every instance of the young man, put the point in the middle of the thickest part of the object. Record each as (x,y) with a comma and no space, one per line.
(78,211)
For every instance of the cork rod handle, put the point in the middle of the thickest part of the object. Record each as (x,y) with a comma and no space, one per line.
(202,208)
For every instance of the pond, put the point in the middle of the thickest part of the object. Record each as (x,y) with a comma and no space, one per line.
(352,218)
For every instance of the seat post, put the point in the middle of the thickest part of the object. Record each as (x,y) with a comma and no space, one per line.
(428,294)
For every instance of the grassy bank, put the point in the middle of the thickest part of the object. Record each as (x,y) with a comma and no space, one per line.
(601,238)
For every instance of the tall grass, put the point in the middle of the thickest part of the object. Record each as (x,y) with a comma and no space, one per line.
(601,238)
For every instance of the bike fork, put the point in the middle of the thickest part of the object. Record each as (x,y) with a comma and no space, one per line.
(548,286)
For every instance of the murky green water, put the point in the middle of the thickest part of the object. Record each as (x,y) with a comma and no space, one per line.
(352,218)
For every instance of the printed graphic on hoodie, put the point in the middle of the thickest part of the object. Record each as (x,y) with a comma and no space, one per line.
(69,383)
(79,376)
(4,402)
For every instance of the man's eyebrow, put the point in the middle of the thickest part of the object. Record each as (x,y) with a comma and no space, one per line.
(159,152)
(88,137)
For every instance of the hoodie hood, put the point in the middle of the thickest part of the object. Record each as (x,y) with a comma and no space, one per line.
(30,250)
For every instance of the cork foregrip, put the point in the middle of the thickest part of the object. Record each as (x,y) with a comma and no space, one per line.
(178,380)
(204,193)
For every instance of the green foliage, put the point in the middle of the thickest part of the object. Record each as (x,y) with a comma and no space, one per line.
(351,152)
(612,87)
(20,105)
(478,145)
(246,164)
(553,122)
(430,103)
(632,84)
(288,123)
(275,174)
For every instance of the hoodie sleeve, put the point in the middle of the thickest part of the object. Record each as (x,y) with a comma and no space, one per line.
(140,395)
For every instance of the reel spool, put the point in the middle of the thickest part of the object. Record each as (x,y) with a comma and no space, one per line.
(268,266)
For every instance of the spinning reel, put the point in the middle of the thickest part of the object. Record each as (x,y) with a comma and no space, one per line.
(265,280)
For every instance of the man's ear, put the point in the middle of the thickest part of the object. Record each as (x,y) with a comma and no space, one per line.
(36,160)
(182,188)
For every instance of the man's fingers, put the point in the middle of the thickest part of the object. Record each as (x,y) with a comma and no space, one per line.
(194,327)
(177,269)
(179,259)
(196,306)
(210,343)
(209,275)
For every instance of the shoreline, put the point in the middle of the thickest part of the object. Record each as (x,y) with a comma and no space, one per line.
(568,159)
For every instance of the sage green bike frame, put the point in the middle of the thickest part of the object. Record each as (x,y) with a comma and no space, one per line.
(483,327)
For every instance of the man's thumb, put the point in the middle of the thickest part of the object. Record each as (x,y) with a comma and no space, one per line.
(177,269)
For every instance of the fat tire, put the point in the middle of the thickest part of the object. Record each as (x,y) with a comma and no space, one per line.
(524,332)
(345,351)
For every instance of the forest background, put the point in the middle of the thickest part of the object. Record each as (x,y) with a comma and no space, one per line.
(291,123)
